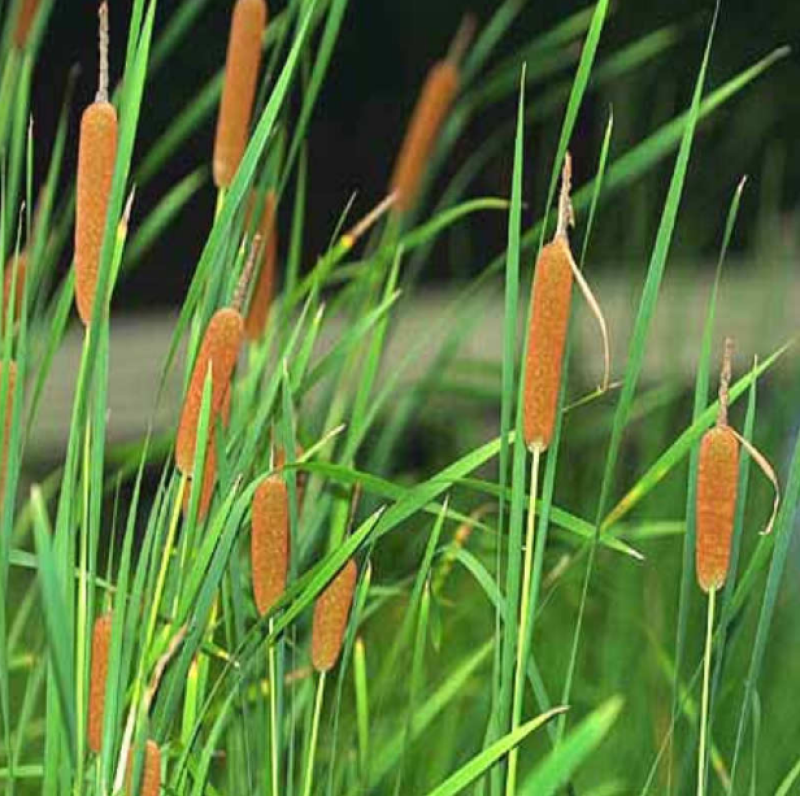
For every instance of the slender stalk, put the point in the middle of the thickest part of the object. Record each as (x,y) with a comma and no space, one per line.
(83,601)
(312,745)
(701,756)
(220,202)
(273,710)
(519,675)
(162,572)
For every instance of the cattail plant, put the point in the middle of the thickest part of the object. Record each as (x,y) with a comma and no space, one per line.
(551,301)
(25,17)
(269,542)
(7,419)
(150,780)
(101,642)
(269,553)
(717,484)
(238,92)
(218,353)
(264,291)
(16,269)
(438,93)
(331,612)
(97,151)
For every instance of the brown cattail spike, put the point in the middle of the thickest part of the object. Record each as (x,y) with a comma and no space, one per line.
(551,299)
(238,92)
(218,353)
(258,311)
(25,17)
(438,93)
(101,643)
(150,779)
(97,152)
(717,483)
(20,265)
(331,612)
(269,542)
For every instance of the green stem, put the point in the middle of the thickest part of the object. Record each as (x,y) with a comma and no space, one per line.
(162,572)
(83,599)
(519,675)
(273,711)
(312,746)
(701,756)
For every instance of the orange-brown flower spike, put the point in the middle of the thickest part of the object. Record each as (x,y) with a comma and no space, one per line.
(331,612)
(20,264)
(717,484)
(435,100)
(551,300)
(150,780)
(269,542)
(25,18)
(264,291)
(8,416)
(101,643)
(218,352)
(97,152)
(239,89)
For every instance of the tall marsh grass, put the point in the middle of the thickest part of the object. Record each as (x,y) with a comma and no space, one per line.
(329,577)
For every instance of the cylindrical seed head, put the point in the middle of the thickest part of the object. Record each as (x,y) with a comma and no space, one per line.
(264,292)
(547,334)
(717,482)
(269,542)
(150,780)
(440,89)
(101,643)
(238,92)
(219,351)
(97,152)
(25,17)
(331,612)
(209,481)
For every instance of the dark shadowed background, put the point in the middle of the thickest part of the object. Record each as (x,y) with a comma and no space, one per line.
(383,55)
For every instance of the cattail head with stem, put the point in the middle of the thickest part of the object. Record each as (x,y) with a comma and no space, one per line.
(238,91)
(101,644)
(218,353)
(717,483)
(97,152)
(438,93)
(331,612)
(269,542)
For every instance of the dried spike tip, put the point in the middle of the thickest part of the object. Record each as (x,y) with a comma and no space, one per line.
(218,353)
(269,542)
(20,264)
(9,410)
(239,89)
(25,18)
(331,612)
(150,779)
(717,484)
(264,292)
(435,100)
(97,152)
(101,643)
